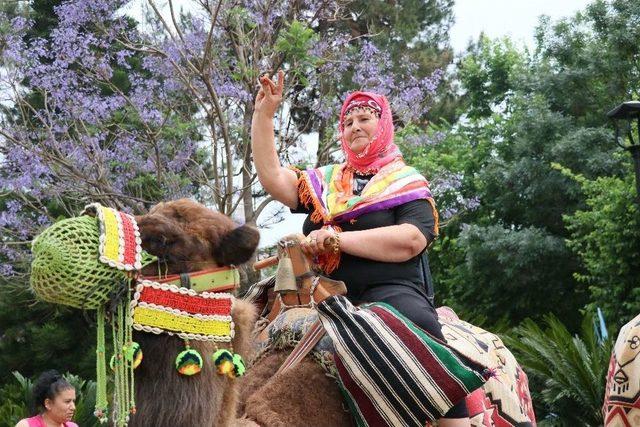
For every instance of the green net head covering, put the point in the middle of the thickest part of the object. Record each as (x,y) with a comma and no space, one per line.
(79,262)
(66,268)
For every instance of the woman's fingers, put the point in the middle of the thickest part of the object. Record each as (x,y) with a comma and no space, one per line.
(307,247)
(280,88)
(315,241)
(275,88)
(268,85)
(320,242)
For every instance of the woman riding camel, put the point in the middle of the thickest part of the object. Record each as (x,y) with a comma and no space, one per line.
(369,219)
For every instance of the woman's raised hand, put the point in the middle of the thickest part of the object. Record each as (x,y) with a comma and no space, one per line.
(270,95)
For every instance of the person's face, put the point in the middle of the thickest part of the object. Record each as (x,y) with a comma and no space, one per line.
(62,407)
(359,128)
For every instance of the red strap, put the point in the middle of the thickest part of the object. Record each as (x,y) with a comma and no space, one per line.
(306,344)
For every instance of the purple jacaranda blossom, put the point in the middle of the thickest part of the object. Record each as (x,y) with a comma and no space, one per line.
(121,58)
(446,182)
(9,215)
(447,190)
(6,270)
(87,135)
(472,203)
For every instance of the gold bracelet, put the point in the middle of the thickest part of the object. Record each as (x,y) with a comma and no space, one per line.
(336,243)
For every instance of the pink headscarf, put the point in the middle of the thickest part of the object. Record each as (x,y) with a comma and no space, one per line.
(381,150)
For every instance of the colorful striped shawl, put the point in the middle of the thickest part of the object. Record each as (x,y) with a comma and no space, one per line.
(329,189)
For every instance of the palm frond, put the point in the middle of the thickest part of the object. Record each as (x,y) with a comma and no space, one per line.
(571,368)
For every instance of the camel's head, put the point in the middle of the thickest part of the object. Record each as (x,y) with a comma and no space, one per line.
(188,236)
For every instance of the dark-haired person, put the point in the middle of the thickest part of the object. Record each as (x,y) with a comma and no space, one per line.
(378,210)
(55,400)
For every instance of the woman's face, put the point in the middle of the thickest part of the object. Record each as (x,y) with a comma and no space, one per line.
(359,128)
(62,407)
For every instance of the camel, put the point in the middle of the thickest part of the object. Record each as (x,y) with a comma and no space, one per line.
(187,237)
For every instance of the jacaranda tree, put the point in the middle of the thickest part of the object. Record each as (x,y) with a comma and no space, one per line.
(130,109)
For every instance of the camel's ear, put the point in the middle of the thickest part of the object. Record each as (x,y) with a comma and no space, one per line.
(237,247)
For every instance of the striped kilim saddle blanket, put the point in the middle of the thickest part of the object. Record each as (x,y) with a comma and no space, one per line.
(392,372)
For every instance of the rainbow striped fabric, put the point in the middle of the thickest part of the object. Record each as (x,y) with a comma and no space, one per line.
(330,190)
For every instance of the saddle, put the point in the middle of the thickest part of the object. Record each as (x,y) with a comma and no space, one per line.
(295,281)
(296,284)
(505,394)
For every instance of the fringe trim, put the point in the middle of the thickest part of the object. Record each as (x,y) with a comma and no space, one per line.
(327,262)
(308,198)
(330,261)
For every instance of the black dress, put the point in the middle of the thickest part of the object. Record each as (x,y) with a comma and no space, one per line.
(399,284)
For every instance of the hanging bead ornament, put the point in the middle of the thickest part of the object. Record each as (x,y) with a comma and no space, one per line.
(238,365)
(132,354)
(223,359)
(101,406)
(124,399)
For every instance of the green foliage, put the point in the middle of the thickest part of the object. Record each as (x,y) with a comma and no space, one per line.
(294,44)
(489,73)
(296,40)
(16,400)
(523,112)
(85,400)
(37,336)
(590,57)
(606,237)
(572,368)
(513,274)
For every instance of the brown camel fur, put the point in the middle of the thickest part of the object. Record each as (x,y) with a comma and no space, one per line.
(299,397)
(186,236)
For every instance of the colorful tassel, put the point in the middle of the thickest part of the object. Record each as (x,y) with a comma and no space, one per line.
(228,363)
(189,362)
(133,354)
(223,359)
(101,406)
(238,364)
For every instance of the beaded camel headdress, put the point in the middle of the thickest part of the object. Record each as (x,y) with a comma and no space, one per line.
(92,262)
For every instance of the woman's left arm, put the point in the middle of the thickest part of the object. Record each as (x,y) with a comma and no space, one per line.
(415,227)
(394,243)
